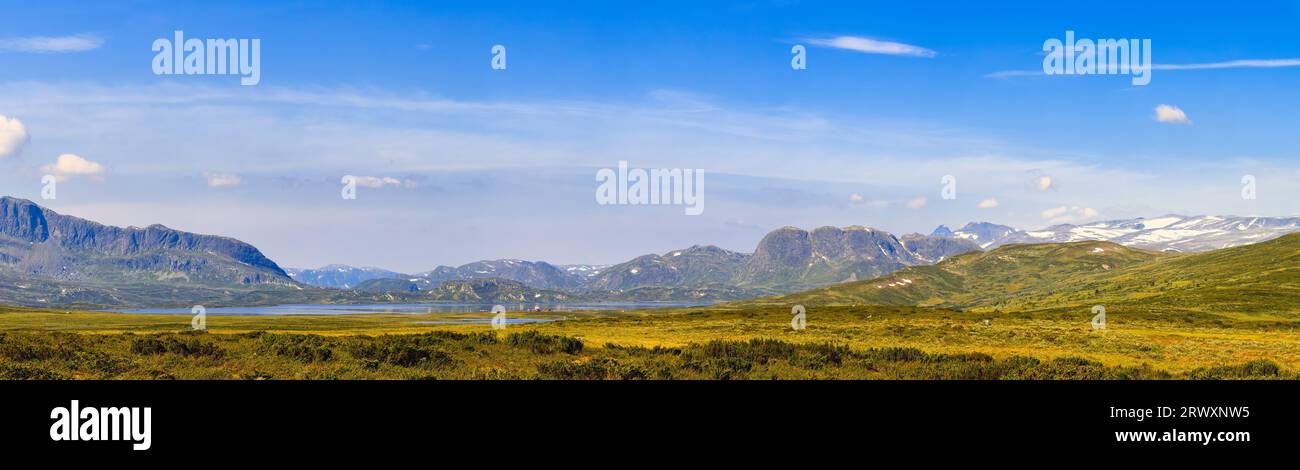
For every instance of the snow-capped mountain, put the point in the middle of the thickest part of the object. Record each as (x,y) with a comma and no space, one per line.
(1165,233)
(984,234)
(339,276)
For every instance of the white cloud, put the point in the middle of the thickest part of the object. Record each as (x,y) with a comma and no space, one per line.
(13,136)
(1043,183)
(916,202)
(223,180)
(872,46)
(988,203)
(1171,114)
(856,198)
(1067,214)
(51,44)
(69,166)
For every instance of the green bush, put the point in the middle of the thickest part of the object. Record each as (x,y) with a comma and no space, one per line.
(544,344)
(189,347)
(304,348)
(403,351)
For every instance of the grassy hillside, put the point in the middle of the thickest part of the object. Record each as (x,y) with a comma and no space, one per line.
(1260,281)
(1002,278)
(1255,281)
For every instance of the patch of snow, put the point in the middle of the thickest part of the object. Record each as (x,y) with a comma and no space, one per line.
(1161,222)
(1098,233)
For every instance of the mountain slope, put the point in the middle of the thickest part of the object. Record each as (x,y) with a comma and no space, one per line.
(694,266)
(47,258)
(791,258)
(493,290)
(997,278)
(38,241)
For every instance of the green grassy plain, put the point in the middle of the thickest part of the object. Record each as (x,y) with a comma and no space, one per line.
(750,341)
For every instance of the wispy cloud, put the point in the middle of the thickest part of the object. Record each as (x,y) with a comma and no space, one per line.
(1233,64)
(1227,64)
(1064,214)
(873,46)
(51,44)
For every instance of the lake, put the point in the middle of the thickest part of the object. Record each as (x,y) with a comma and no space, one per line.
(447,307)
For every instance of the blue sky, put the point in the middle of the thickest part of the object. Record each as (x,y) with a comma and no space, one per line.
(499,163)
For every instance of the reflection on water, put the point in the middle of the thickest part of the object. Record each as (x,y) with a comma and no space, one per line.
(323,309)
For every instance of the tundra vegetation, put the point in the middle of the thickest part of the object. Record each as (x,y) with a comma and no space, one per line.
(713,343)
(1016,312)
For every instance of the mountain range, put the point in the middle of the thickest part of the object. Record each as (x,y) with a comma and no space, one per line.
(50,259)
(786,260)
(340,276)
(533,273)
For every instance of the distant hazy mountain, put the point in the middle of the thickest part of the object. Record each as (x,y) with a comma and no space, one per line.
(391,285)
(340,276)
(694,266)
(1167,233)
(935,249)
(942,231)
(984,234)
(47,258)
(536,274)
